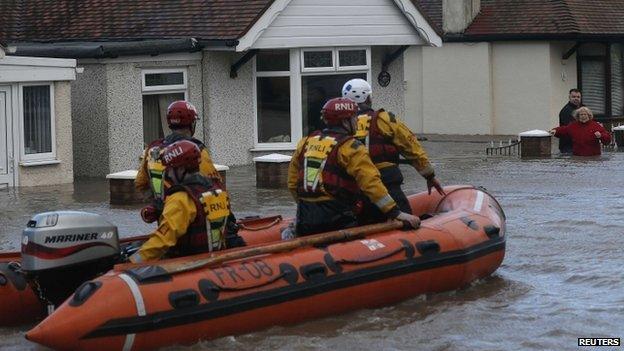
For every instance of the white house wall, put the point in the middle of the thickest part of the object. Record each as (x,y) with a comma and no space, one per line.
(62,172)
(315,23)
(449,89)
(522,86)
(90,122)
(500,88)
(563,78)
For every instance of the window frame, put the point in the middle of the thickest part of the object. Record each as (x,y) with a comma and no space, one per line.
(607,80)
(296,72)
(164,88)
(368,65)
(44,156)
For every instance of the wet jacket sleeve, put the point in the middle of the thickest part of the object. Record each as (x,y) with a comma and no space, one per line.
(293,169)
(353,156)
(179,212)
(562,131)
(407,143)
(207,168)
(605,136)
(141,182)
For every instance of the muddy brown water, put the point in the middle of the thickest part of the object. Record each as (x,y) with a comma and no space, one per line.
(562,277)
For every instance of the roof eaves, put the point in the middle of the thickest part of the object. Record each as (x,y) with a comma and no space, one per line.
(534,37)
(433,25)
(258,16)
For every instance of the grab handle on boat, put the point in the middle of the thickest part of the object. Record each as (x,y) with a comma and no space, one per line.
(166,268)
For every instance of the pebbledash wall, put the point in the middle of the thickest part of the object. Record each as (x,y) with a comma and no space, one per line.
(487,88)
(61,172)
(108,111)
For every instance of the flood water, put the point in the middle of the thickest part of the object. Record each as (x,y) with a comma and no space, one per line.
(561,279)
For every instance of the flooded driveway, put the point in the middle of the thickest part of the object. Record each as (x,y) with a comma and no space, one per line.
(562,277)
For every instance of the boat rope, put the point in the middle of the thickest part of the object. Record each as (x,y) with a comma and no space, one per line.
(255,229)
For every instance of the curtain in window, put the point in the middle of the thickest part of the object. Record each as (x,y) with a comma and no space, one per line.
(593,84)
(155,115)
(37,119)
(617,94)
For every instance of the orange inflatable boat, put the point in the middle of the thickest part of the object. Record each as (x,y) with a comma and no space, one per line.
(24,295)
(184,300)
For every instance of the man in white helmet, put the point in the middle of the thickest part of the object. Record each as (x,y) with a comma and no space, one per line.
(386,137)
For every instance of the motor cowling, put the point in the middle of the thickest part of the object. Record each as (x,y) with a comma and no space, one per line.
(64,238)
(63,249)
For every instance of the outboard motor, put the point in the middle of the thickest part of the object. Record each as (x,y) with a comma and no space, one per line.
(63,249)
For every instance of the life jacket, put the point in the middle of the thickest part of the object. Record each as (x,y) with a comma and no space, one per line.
(155,168)
(380,148)
(319,172)
(207,232)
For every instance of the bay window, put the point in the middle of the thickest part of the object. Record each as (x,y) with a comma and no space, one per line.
(291,87)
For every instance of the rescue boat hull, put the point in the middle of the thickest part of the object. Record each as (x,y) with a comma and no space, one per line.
(129,309)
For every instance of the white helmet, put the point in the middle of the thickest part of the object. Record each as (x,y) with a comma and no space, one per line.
(357,90)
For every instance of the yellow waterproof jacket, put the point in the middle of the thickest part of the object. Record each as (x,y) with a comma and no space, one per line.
(178,214)
(394,131)
(353,157)
(206,169)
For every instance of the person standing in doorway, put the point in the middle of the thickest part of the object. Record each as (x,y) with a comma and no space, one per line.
(386,137)
(181,118)
(566,117)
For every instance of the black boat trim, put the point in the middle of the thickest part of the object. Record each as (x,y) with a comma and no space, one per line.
(202,312)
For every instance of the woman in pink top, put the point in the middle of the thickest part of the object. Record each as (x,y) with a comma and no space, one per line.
(585,133)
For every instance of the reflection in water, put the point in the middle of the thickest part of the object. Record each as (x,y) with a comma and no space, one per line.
(561,278)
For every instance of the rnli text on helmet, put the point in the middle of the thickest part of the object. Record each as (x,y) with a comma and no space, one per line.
(344,106)
(172,154)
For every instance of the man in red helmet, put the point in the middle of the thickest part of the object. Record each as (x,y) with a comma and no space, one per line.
(196,215)
(330,169)
(181,118)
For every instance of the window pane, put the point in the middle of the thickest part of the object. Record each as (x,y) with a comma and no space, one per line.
(273,60)
(156,79)
(617,103)
(593,85)
(273,109)
(352,58)
(312,59)
(37,120)
(155,115)
(315,91)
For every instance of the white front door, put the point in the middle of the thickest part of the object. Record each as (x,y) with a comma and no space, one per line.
(7,166)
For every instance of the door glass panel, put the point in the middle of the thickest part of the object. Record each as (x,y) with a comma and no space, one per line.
(315,91)
(4,137)
(37,120)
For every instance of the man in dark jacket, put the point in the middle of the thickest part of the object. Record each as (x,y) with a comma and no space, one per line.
(565,118)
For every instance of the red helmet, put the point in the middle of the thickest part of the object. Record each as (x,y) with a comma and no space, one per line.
(183,153)
(338,109)
(181,114)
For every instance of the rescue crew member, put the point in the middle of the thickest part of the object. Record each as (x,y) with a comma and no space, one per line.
(181,119)
(196,215)
(386,137)
(330,169)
